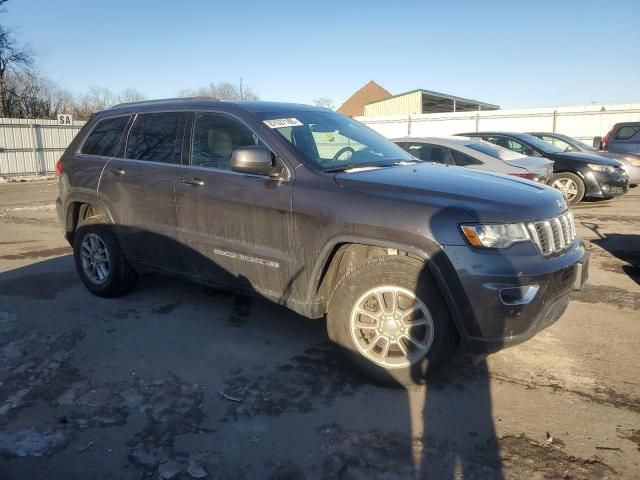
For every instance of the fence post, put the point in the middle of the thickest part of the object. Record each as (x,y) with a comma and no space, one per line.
(408,125)
(555,117)
(34,146)
(477,122)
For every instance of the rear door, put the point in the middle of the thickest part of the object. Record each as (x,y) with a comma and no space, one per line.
(234,228)
(139,189)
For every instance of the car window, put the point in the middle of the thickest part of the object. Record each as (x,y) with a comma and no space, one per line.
(427,153)
(494,150)
(215,136)
(105,137)
(561,144)
(626,132)
(462,160)
(332,141)
(153,137)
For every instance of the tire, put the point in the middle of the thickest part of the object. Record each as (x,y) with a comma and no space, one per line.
(360,287)
(118,278)
(569,180)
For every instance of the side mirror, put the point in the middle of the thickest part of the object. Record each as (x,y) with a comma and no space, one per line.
(597,143)
(255,160)
(529,152)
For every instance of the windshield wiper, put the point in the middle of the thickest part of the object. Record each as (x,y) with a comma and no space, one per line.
(353,166)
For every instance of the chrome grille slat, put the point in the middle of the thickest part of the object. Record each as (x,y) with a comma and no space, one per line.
(554,234)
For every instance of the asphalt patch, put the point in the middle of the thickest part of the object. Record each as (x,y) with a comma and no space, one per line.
(49,252)
(308,382)
(38,286)
(615,296)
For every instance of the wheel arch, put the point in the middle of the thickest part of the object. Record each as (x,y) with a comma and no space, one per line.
(327,272)
(78,208)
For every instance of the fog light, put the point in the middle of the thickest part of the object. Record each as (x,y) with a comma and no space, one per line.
(518,295)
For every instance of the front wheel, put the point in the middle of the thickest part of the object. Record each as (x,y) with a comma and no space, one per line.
(391,321)
(571,186)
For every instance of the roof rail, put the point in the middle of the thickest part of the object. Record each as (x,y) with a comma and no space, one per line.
(163,100)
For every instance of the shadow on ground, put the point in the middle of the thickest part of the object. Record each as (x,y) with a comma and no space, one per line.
(178,380)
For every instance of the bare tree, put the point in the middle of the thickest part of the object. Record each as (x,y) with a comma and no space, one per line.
(129,95)
(15,59)
(324,102)
(221,91)
(96,99)
(31,96)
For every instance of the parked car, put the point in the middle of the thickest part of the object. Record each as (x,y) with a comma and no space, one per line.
(577,175)
(623,138)
(317,212)
(630,162)
(477,154)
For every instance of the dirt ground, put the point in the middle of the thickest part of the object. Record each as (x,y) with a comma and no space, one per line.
(130,388)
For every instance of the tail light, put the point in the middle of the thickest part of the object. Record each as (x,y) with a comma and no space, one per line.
(59,166)
(530,176)
(606,138)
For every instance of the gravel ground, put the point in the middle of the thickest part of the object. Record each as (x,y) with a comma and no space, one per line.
(130,388)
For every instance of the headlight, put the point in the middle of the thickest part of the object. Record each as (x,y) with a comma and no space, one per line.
(601,168)
(498,235)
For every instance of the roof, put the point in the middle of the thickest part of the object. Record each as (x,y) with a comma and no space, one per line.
(199,102)
(354,105)
(440,140)
(434,102)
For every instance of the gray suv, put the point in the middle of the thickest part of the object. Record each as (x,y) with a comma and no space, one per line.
(311,209)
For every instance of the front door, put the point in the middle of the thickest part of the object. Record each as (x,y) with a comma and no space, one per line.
(234,228)
(139,189)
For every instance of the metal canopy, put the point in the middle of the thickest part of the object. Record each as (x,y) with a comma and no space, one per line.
(434,102)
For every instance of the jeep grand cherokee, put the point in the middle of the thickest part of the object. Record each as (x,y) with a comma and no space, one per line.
(313,210)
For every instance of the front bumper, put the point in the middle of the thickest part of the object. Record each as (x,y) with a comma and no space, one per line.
(605,185)
(514,294)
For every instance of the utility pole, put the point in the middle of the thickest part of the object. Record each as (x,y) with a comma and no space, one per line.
(241,93)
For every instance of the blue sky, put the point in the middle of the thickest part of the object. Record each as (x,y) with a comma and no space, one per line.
(512,53)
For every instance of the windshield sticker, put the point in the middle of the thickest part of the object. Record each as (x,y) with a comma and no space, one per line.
(282,122)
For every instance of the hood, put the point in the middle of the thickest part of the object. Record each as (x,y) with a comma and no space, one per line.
(542,166)
(621,157)
(487,197)
(583,157)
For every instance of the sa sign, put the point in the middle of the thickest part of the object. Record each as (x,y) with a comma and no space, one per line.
(65,120)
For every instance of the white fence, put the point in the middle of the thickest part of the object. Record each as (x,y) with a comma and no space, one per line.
(584,123)
(32,147)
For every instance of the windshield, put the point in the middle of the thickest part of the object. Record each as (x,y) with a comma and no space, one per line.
(335,142)
(540,144)
(494,151)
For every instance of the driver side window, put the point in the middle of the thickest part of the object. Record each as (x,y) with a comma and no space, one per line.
(215,136)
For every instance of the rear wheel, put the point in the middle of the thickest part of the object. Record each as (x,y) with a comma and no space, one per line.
(571,186)
(99,259)
(391,321)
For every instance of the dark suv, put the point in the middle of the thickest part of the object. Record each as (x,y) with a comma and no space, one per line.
(315,211)
(623,138)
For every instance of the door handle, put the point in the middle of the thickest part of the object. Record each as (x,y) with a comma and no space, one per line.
(117,171)
(194,182)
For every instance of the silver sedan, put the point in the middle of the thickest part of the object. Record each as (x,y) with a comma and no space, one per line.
(477,154)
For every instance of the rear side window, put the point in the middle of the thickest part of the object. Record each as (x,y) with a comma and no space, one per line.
(105,137)
(154,137)
(427,153)
(463,160)
(626,132)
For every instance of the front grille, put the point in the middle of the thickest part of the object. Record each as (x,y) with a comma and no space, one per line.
(553,235)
